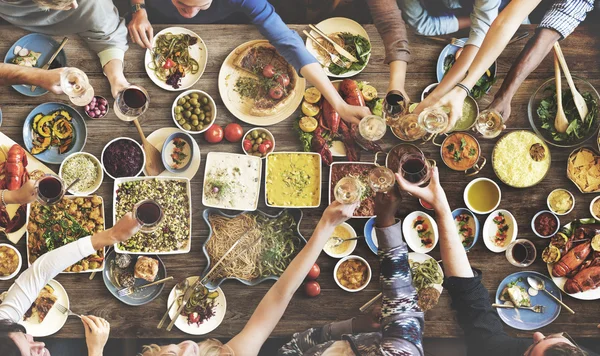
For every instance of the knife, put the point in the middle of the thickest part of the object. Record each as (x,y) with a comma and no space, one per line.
(337,47)
(47,65)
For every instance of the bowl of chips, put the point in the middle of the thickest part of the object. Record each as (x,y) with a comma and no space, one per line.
(583,169)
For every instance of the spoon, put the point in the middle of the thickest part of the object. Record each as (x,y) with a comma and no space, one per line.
(538,284)
(154,164)
(560,122)
(179,288)
(72,184)
(339,240)
(577,98)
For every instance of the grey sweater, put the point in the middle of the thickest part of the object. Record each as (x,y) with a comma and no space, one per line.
(96,21)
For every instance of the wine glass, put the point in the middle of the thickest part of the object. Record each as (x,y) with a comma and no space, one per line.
(521,253)
(381,179)
(394,106)
(372,128)
(149,214)
(348,190)
(433,120)
(76,85)
(489,123)
(415,169)
(131,103)
(407,128)
(50,189)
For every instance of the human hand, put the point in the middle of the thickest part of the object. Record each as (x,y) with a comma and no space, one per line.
(430,100)
(502,106)
(337,213)
(453,101)
(353,114)
(126,227)
(96,334)
(24,195)
(367,323)
(140,29)
(118,86)
(50,80)
(433,193)
(386,206)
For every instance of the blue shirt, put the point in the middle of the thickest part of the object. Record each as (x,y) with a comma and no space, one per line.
(260,12)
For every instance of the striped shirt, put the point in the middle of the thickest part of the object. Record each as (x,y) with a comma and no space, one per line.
(565,15)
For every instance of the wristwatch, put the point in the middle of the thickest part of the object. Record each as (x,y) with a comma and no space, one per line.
(137,7)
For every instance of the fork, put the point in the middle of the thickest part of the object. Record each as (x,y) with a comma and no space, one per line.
(535,308)
(130,290)
(61,308)
(334,58)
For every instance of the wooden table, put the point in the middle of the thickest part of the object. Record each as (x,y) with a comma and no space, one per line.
(91,297)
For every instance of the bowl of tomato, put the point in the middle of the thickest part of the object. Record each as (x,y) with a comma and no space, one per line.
(258,142)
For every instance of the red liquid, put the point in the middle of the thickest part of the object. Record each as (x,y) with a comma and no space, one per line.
(148,213)
(50,188)
(522,253)
(134,98)
(394,99)
(413,170)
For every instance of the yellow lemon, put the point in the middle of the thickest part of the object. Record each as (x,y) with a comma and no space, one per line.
(596,243)
(309,109)
(369,92)
(308,124)
(412,107)
(312,95)
(551,254)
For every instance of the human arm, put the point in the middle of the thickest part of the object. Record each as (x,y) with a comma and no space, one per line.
(426,24)
(24,195)
(97,331)
(140,29)
(273,305)
(12,74)
(27,287)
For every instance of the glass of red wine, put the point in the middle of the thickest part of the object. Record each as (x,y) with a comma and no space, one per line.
(521,253)
(149,214)
(50,189)
(415,168)
(131,103)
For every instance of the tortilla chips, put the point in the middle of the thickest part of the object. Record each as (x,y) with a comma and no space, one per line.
(583,169)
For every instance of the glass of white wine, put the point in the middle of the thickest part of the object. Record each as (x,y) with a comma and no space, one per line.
(433,120)
(381,179)
(407,128)
(348,190)
(75,83)
(372,128)
(489,123)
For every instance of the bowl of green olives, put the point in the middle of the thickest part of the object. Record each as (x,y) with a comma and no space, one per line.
(194,111)
(258,142)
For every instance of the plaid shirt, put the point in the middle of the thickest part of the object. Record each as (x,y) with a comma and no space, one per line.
(565,15)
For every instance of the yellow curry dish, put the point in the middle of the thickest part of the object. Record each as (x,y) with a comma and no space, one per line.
(293,180)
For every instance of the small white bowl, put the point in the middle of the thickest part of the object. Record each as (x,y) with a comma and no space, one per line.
(592,210)
(211,103)
(428,90)
(14,274)
(352,243)
(540,213)
(466,196)
(269,136)
(99,170)
(552,210)
(352,257)
(412,237)
(123,138)
(490,229)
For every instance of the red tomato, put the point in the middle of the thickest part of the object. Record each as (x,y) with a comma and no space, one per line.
(314,272)
(168,64)
(269,71)
(312,289)
(214,134)
(247,145)
(283,80)
(268,144)
(233,132)
(262,148)
(276,92)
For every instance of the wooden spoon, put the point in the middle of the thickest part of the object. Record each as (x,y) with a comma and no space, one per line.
(577,98)
(154,164)
(560,122)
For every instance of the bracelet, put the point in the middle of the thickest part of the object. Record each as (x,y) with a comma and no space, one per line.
(464,87)
(137,7)
(2,197)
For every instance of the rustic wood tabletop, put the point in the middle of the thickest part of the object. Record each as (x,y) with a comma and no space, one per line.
(581,49)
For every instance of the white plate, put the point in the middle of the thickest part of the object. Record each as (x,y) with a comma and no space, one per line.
(251,185)
(489,230)
(158,137)
(208,325)
(189,194)
(267,179)
(239,107)
(71,197)
(421,257)
(352,243)
(198,51)
(54,320)
(333,25)
(411,236)
(32,164)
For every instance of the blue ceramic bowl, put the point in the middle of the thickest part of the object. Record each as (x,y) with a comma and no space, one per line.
(296,215)
(165,154)
(369,234)
(51,155)
(459,211)
(38,43)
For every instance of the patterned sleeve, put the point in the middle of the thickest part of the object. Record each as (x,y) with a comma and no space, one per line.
(565,15)
(402,319)
(325,336)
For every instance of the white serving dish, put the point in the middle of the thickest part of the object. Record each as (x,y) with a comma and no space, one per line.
(267,178)
(352,243)
(14,274)
(466,197)
(490,228)
(54,320)
(123,138)
(329,187)
(213,157)
(591,208)
(352,257)
(134,179)
(71,197)
(411,236)
(99,170)
(210,100)
(568,211)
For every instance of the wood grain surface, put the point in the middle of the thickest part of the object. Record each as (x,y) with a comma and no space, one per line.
(581,50)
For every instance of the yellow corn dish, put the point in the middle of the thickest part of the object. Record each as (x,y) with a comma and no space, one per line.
(293,180)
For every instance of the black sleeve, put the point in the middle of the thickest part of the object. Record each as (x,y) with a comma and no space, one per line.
(484,333)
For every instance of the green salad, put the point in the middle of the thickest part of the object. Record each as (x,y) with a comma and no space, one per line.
(356,45)
(577,128)
(483,84)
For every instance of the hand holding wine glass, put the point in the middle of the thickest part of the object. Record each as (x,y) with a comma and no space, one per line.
(433,193)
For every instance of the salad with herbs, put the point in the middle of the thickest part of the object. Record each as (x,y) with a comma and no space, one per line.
(484,83)
(356,45)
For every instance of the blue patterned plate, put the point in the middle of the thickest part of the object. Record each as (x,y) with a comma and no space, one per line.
(526,319)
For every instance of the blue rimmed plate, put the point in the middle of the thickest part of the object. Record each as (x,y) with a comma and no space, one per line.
(214,284)
(526,319)
(371,235)
(38,43)
(51,155)
(475,225)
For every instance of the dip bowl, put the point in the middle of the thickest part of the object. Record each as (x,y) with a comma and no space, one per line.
(168,147)
(594,201)
(550,205)
(352,257)
(469,187)
(119,139)
(538,234)
(97,165)
(16,271)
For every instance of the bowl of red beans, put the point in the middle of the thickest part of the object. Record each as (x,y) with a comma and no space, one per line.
(545,224)
(97,108)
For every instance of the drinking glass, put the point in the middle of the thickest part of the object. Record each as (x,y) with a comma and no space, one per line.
(348,190)
(407,128)
(149,214)
(433,120)
(372,128)
(76,85)
(381,179)
(394,106)
(521,253)
(50,189)
(131,103)
(489,123)
(415,168)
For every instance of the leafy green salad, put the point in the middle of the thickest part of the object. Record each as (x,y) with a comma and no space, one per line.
(356,45)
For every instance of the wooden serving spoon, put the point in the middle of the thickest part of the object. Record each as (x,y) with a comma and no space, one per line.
(560,122)
(577,98)
(154,164)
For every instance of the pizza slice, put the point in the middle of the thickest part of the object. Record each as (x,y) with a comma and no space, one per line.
(42,305)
